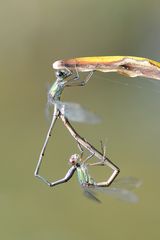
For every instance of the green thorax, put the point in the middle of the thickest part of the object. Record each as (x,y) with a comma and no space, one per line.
(56,90)
(83,176)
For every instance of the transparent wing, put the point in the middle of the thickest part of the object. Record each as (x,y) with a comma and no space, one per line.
(91,195)
(122,194)
(75,112)
(48,111)
(119,189)
(128,183)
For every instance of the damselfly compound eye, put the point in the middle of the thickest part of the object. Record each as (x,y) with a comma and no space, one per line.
(74,159)
(60,73)
(63,73)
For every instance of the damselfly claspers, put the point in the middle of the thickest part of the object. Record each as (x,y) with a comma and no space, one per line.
(74,112)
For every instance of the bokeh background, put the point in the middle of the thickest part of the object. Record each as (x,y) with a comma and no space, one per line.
(33,35)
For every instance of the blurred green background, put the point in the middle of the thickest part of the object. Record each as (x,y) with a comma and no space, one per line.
(34,34)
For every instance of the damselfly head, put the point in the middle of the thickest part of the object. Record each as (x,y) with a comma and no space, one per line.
(62,74)
(74,159)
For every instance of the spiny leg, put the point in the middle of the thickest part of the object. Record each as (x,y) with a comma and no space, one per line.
(76,81)
(115,169)
(89,157)
(104,163)
(77,77)
(91,149)
(82,152)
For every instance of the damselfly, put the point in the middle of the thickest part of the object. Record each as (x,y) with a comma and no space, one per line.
(120,188)
(73,112)
(126,65)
